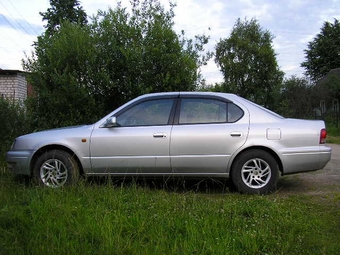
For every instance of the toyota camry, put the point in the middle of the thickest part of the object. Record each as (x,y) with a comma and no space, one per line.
(177,134)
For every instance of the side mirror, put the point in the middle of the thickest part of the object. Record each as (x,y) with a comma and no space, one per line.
(110,122)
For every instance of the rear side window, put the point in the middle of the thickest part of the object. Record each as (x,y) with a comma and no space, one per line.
(205,111)
(202,110)
(234,112)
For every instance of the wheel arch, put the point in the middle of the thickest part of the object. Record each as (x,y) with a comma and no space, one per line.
(46,148)
(263,148)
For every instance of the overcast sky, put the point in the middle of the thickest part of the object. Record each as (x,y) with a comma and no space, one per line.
(294,23)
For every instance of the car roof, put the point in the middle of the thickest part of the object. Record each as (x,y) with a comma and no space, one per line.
(191,93)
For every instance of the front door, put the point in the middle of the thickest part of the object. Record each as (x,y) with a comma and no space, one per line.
(138,144)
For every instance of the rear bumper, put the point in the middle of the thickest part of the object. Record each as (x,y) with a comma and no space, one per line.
(19,161)
(305,159)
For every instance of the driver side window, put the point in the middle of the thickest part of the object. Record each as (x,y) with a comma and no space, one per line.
(147,113)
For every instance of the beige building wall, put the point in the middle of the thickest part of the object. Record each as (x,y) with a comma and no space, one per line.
(13,86)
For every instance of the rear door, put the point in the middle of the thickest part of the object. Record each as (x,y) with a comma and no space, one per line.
(207,131)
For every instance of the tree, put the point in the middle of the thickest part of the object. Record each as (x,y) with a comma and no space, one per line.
(62,10)
(326,95)
(323,51)
(81,72)
(296,99)
(139,52)
(59,75)
(248,63)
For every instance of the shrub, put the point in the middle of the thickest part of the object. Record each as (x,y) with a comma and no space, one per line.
(13,123)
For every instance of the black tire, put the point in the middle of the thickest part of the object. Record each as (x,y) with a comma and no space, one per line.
(255,172)
(56,168)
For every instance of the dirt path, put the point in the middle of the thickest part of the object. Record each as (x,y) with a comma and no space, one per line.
(321,182)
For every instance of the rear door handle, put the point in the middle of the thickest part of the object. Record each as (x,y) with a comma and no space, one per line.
(159,135)
(236,134)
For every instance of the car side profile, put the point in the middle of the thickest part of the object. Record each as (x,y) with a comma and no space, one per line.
(181,134)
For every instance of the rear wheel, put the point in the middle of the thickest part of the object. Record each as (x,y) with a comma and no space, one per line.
(255,172)
(56,168)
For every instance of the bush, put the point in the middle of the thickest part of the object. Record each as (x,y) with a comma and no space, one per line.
(14,123)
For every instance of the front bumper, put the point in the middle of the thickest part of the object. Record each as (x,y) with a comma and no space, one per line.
(19,161)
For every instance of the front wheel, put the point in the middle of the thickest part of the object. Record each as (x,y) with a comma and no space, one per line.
(255,172)
(56,168)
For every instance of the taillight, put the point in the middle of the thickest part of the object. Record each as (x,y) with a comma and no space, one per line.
(323,134)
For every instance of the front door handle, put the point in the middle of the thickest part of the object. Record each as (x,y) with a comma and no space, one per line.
(159,135)
(236,134)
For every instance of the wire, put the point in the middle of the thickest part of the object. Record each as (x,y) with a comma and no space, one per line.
(36,33)
(11,24)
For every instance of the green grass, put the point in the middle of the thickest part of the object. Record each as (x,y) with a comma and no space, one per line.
(333,139)
(103,218)
(333,134)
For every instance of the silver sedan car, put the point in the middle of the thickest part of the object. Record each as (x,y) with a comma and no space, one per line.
(178,134)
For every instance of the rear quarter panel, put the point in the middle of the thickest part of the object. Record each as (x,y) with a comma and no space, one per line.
(295,142)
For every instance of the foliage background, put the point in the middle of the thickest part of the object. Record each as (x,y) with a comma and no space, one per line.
(248,63)
(14,122)
(83,68)
(81,71)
